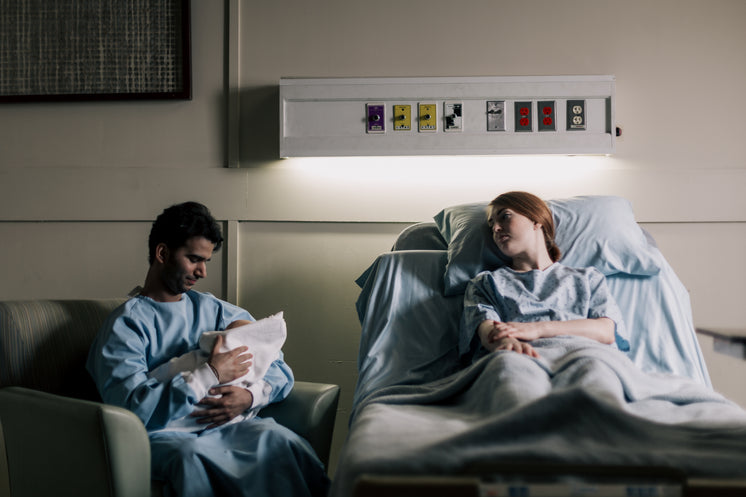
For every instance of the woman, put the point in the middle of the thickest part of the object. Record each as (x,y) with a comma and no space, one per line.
(535,296)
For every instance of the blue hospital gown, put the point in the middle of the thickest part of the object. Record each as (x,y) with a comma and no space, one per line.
(559,293)
(255,457)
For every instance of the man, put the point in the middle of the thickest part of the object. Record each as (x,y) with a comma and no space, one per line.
(255,456)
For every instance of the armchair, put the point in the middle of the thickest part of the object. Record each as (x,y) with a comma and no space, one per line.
(57,438)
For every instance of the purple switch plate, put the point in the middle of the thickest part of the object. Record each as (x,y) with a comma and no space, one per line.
(375,118)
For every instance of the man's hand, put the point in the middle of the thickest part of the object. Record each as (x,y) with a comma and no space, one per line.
(229,365)
(233,401)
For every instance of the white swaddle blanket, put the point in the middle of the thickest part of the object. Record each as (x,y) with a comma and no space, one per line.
(264,338)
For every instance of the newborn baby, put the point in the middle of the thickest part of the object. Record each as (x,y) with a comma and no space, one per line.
(264,338)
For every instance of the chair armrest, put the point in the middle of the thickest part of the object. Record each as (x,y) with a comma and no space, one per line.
(70,447)
(310,411)
(4,475)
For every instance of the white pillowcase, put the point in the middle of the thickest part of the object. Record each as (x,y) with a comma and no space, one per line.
(598,231)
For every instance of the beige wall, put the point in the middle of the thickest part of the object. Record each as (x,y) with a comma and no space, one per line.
(80,182)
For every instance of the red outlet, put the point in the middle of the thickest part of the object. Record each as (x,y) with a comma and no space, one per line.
(523,116)
(547,121)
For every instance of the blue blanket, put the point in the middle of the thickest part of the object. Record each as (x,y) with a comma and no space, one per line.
(581,402)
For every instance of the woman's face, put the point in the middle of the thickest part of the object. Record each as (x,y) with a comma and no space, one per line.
(514,234)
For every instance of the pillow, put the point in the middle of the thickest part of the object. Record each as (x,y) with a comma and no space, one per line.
(598,231)
(602,232)
(420,236)
(470,246)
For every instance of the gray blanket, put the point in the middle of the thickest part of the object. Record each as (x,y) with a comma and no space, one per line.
(581,402)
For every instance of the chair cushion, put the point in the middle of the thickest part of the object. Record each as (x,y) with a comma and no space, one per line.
(44,344)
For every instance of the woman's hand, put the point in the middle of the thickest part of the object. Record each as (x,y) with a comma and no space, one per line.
(599,329)
(521,331)
(229,365)
(490,332)
(495,335)
(515,345)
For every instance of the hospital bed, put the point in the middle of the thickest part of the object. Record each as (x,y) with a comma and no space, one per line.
(644,421)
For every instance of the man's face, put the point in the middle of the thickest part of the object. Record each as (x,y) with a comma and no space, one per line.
(187,264)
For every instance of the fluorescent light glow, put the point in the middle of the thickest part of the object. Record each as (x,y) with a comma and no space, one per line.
(456,172)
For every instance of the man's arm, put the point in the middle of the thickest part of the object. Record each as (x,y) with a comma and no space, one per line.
(231,401)
(119,366)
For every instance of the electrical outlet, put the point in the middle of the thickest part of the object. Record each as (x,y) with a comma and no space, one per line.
(576,117)
(496,115)
(402,117)
(453,115)
(523,116)
(428,116)
(546,115)
(375,118)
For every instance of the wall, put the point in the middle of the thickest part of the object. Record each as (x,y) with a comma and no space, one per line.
(80,183)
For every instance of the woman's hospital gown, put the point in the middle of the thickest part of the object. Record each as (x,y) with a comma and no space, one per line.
(559,293)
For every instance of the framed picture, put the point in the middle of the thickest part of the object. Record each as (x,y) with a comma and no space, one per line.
(94,50)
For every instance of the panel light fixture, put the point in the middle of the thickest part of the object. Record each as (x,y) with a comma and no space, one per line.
(507,115)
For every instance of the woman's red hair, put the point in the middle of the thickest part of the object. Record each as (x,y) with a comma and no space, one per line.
(534,208)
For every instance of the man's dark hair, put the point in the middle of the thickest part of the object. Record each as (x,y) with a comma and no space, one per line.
(181,222)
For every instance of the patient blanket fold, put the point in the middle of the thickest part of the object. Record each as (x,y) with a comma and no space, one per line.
(264,338)
(581,402)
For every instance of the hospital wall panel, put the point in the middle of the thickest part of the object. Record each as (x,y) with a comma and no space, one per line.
(52,260)
(80,260)
(308,271)
(709,260)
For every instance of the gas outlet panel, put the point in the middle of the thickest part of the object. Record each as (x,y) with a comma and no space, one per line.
(428,117)
(375,118)
(402,117)
(447,116)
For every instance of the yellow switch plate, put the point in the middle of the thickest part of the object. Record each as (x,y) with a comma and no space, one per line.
(428,116)
(402,117)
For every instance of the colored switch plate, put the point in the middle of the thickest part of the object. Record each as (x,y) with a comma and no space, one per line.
(546,115)
(453,116)
(402,117)
(375,118)
(428,116)
(576,117)
(523,116)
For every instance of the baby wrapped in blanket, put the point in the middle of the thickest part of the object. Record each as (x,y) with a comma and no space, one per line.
(264,338)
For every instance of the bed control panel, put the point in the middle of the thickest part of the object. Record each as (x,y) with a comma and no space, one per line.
(447,116)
